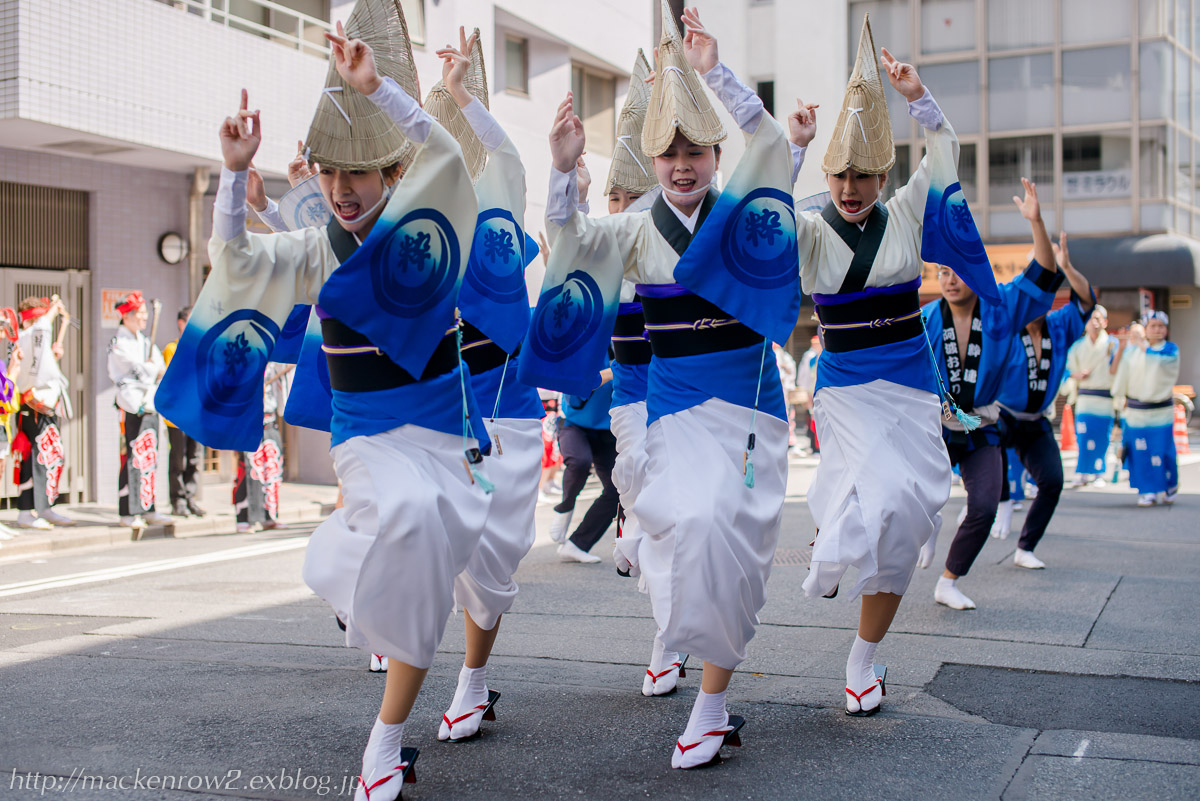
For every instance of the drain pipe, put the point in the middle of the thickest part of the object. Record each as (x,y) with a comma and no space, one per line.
(197,244)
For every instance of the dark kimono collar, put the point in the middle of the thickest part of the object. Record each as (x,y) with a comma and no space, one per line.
(342,241)
(864,242)
(669,225)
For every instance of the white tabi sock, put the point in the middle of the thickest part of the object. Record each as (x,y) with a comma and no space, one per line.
(660,660)
(380,758)
(948,594)
(472,691)
(860,674)
(708,714)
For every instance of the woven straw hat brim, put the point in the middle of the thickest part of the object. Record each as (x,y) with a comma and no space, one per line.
(442,106)
(862,139)
(678,100)
(632,169)
(348,131)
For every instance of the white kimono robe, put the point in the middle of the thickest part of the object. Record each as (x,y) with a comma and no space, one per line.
(1094,402)
(1147,377)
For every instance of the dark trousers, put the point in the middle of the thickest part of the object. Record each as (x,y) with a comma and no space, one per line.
(983,478)
(1034,443)
(139,463)
(183,466)
(582,449)
(42,472)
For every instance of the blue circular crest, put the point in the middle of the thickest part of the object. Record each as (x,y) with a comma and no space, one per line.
(304,206)
(567,317)
(496,268)
(414,267)
(230,360)
(758,243)
(958,226)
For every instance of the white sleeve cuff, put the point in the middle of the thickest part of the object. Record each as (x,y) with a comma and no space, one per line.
(229,209)
(745,106)
(583,208)
(484,125)
(797,159)
(926,111)
(271,217)
(563,200)
(403,110)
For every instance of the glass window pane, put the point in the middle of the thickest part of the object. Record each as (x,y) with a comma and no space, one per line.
(1183,22)
(414,18)
(947,25)
(1022,92)
(1088,21)
(889,26)
(898,113)
(1195,96)
(1094,219)
(1154,80)
(1181,160)
(1152,158)
(1020,23)
(1151,18)
(968,172)
(1183,97)
(1096,85)
(599,120)
(1097,166)
(956,87)
(1010,160)
(516,65)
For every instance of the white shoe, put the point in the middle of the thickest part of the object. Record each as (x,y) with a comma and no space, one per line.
(1169,496)
(132,521)
(159,519)
(1002,525)
(570,552)
(704,748)
(1161,497)
(245,528)
(378,664)
(1145,499)
(559,525)
(948,594)
(1018,506)
(25,519)
(1027,559)
(6,533)
(1080,480)
(1099,482)
(54,518)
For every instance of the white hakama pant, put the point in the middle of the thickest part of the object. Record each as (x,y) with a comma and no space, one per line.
(387,560)
(486,588)
(880,488)
(628,425)
(708,539)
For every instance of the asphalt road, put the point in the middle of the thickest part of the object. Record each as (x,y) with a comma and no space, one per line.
(205,667)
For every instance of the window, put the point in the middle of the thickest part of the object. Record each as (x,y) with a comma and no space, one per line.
(947,25)
(1195,96)
(414,18)
(1097,166)
(1022,92)
(766,93)
(1181,160)
(1183,22)
(899,174)
(1096,85)
(958,94)
(889,27)
(1088,21)
(516,65)
(1183,96)
(1010,160)
(1154,80)
(1152,158)
(968,171)
(594,100)
(1020,23)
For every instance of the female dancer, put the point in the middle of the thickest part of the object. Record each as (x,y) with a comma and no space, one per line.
(1146,382)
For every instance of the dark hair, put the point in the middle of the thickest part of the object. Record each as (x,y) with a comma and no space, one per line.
(183,313)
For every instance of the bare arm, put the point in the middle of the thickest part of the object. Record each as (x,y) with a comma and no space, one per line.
(1031,210)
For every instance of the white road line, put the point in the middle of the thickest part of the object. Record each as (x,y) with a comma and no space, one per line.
(157,566)
(1083,747)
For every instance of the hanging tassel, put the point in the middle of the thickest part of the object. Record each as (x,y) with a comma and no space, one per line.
(969,421)
(749,481)
(485,485)
(748,462)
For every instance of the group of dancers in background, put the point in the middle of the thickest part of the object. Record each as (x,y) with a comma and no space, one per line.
(408,285)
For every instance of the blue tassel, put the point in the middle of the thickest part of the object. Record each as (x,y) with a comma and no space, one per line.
(749,474)
(969,421)
(485,485)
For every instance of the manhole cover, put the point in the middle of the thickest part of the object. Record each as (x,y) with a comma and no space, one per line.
(792,557)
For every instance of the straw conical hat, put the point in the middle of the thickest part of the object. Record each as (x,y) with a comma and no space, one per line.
(862,139)
(631,169)
(443,108)
(678,101)
(349,131)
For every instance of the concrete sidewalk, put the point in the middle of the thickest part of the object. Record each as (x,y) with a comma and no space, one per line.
(97,526)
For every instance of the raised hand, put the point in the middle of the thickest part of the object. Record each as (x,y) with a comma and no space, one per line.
(298,169)
(544,249)
(583,179)
(455,63)
(566,136)
(802,123)
(241,136)
(903,77)
(355,61)
(256,191)
(1061,254)
(699,46)
(1029,206)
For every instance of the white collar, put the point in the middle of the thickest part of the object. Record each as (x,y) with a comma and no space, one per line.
(122,331)
(689,220)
